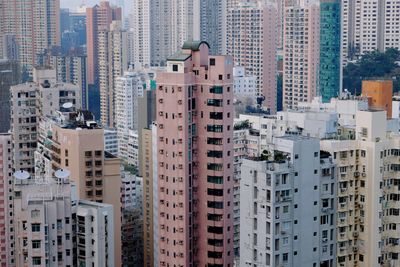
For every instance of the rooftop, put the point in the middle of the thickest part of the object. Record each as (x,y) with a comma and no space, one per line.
(179,56)
(194,45)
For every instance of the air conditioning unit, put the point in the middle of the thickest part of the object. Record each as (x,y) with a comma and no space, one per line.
(356,174)
(325,240)
(363,174)
(355,234)
(355,249)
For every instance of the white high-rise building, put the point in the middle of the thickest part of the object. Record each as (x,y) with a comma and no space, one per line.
(140,27)
(210,24)
(94,233)
(244,86)
(368,186)
(129,88)
(301,54)
(35,25)
(369,25)
(170,25)
(113,61)
(251,40)
(29,101)
(111,141)
(43,223)
(287,208)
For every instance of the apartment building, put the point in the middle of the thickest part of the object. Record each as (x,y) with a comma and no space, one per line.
(288,209)
(113,61)
(246,143)
(29,102)
(171,24)
(43,223)
(252,31)
(330,69)
(132,219)
(195,159)
(369,25)
(210,24)
(94,224)
(35,27)
(367,186)
(244,85)
(75,142)
(148,185)
(129,89)
(301,54)
(140,24)
(7,236)
(98,17)
(10,74)
(111,141)
(71,68)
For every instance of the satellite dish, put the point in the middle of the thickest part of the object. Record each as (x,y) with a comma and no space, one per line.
(68,105)
(62,174)
(21,175)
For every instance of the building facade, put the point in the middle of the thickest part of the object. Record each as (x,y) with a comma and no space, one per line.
(278,227)
(301,54)
(367,26)
(329,79)
(244,86)
(98,17)
(7,236)
(36,27)
(71,68)
(29,102)
(94,224)
(252,31)
(113,61)
(43,223)
(76,143)
(366,217)
(195,177)
(10,74)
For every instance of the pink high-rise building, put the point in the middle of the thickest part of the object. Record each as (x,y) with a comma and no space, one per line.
(98,18)
(252,41)
(195,159)
(6,203)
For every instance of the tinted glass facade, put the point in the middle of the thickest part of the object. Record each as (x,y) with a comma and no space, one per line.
(329,69)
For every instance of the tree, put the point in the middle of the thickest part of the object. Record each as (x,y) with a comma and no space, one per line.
(372,65)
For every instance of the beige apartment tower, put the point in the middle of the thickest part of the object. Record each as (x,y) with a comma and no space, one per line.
(77,144)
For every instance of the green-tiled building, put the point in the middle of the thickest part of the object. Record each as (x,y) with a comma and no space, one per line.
(329,68)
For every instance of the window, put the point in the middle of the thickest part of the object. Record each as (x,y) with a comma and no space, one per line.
(35,244)
(285,257)
(285,209)
(36,260)
(35,214)
(174,68)
(215,179)
(35,227)
(216,90)
(212,61)
(215,204)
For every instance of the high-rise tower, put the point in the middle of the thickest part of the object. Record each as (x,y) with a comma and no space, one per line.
(195,159)
(329,81)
